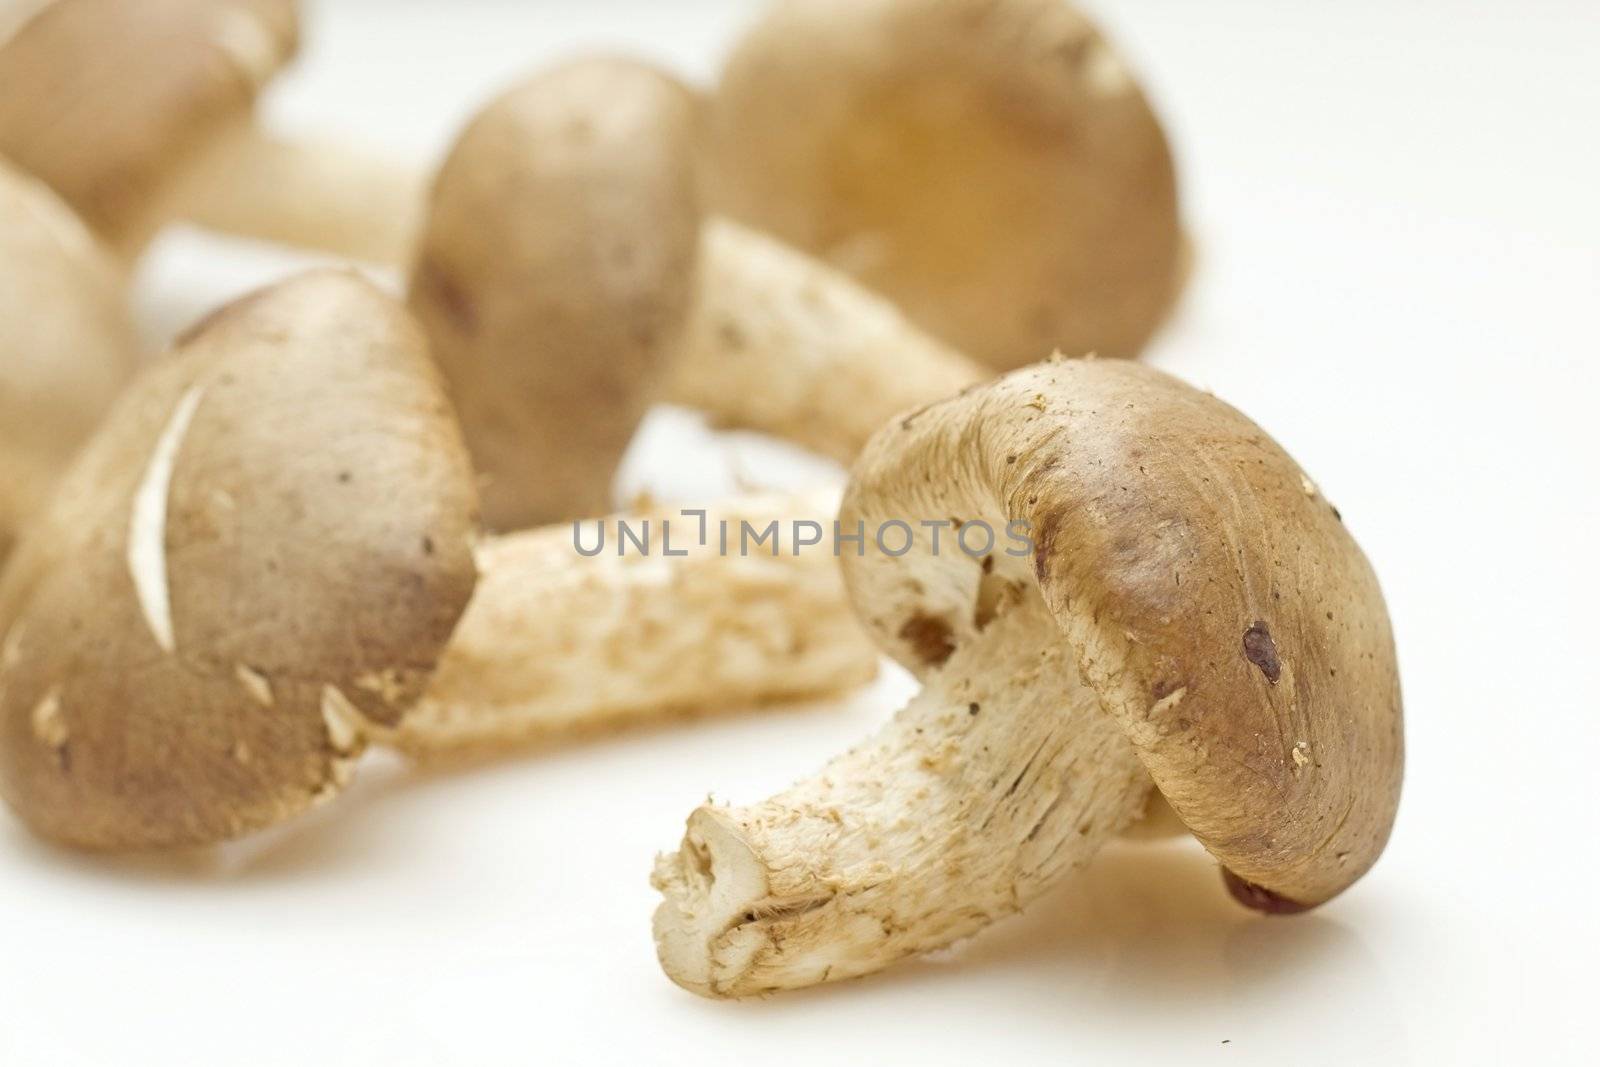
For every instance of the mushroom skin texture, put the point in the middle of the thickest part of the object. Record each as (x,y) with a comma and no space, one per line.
(141,114)
(991,166)
(261,553)
(67,344)
(554,278)
(1184,608)
(557,645)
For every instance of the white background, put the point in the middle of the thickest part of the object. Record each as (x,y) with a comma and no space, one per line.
(1396,206)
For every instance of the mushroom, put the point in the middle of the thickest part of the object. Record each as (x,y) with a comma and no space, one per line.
(257,566)
(1166,599)
(140,114)
(556,278)
(264,549)
(991,166)
(67,345)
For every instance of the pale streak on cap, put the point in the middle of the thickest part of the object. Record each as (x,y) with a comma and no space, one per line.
(310,524)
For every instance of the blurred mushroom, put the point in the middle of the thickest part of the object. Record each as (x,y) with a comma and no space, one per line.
(991,166)
(554,279)
(1136,584)
(142,114)
(67,346)
(256,565)
(557,280)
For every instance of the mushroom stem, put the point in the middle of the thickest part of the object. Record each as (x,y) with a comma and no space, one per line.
(781,343)
(556,643)
(314,194)
(913,840)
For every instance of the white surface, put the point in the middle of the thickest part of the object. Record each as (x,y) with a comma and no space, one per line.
(1396,207)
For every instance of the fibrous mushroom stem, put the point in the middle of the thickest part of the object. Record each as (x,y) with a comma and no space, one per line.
(781,343)
(311,194)
(557,643)
(987,788)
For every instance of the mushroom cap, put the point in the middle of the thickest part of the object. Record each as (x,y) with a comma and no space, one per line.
(67,343)
(1215,601)
(264,548)
(989,165)
(556,274)
(108,101)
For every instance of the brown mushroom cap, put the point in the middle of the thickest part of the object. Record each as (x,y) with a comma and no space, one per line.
(67,345)
(555,276)
(989,165)
(1214,601)
(265,548)
(107,101)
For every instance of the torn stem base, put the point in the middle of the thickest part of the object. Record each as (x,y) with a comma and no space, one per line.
(999,778)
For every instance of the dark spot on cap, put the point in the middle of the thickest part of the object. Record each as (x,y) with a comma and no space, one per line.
(929,637)
(973,709)
(731,335)
(1259,899)
(905,423)
(624,256)
(442,290)
(1044,541)
(1260,650)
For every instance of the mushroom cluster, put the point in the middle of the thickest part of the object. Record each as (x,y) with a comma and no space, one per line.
(331,516)
(268,555)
